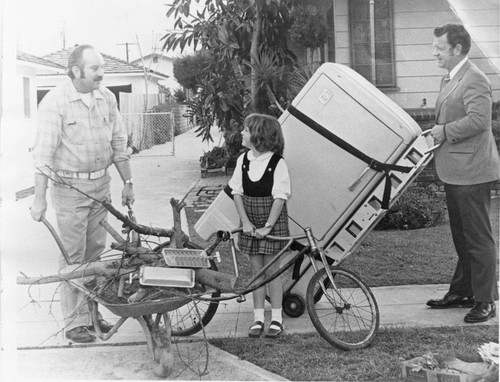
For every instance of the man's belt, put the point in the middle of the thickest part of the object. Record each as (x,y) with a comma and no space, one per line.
(82,175)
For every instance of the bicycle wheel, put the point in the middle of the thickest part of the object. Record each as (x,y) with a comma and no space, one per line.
(192,317)
(347,314)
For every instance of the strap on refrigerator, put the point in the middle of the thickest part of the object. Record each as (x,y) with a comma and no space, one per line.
(372,162)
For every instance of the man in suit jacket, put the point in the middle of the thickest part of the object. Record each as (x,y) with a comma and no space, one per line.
(468,164)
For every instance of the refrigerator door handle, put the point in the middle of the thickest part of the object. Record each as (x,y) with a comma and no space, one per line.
(430,142)
(358,180)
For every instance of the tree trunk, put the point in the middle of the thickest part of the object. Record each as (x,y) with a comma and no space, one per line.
(254,51)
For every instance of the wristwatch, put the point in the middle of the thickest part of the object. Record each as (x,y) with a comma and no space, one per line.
(129,181)
(267,225)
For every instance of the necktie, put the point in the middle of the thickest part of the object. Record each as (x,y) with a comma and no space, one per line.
(446,80)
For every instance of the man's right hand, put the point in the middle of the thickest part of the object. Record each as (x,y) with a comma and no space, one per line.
(38,209)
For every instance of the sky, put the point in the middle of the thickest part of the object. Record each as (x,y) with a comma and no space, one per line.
(102,23)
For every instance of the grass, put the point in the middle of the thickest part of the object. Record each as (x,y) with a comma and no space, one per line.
(384,258)
(381,361)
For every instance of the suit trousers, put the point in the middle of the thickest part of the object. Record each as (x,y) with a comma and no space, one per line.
(78,218)
(475,273)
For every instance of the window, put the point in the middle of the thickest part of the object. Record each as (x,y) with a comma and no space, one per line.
(155,59)
(330,17)
(27,97)
(371,27)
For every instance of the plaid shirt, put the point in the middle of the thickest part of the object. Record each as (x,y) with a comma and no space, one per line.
(73,137)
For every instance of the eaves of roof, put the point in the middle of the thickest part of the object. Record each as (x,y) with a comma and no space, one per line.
(23,56)
(112,65)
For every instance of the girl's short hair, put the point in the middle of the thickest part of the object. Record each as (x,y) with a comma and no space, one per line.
(265,133)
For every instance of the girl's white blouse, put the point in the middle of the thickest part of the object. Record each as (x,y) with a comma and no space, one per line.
(281,187)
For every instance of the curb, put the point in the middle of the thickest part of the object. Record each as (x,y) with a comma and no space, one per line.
(238,363)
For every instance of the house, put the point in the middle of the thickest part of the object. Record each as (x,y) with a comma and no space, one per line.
(19,122)
(402,30)
(161,63)
(120,77)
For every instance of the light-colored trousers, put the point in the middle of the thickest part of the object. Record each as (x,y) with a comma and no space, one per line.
(78,218)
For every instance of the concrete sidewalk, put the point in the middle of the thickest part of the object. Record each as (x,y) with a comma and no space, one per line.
(34,346)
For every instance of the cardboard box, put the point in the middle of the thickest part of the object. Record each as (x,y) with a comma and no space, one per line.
(221,215)
(411,374)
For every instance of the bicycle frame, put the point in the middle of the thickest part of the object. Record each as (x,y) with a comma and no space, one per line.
(311,250)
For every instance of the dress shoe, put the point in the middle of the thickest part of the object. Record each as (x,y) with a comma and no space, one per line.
(451,300)
(80,334)
(481,312)
(103,325)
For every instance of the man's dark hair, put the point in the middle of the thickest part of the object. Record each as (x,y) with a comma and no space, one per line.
(75,58)
(455,34)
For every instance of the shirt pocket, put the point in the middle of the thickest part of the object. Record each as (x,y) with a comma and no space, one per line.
(73,132)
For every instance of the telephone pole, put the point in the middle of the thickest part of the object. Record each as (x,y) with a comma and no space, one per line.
(126,47)
(63,35)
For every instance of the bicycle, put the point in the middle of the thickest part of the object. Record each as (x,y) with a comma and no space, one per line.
(341,307)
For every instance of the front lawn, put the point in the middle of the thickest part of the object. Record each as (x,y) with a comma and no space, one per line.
(287,356)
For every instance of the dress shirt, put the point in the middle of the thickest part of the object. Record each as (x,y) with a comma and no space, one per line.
(457,67)
(281,186)
(75,137)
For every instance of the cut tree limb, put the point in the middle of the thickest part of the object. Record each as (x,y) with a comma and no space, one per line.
(224,282)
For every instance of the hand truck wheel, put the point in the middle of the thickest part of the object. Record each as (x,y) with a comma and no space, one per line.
(293,305)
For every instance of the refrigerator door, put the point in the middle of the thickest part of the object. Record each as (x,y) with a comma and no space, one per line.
(329,183)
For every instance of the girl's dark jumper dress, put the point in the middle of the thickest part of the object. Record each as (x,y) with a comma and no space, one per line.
(258,200)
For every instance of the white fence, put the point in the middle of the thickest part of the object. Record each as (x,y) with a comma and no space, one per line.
(139,103)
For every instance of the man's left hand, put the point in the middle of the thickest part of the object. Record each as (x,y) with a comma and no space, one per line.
(437,133)
(128,196)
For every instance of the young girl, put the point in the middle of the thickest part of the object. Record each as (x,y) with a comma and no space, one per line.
(261,186)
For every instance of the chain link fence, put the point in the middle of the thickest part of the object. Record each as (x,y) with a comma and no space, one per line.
(154,132)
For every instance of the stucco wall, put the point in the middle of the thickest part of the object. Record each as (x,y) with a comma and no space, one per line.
(17,135)
(164,65)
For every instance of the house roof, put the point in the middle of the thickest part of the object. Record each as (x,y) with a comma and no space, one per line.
(112,65)
(37,60)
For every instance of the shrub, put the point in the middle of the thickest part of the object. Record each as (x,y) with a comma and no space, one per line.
(215,158)
(413,210)
(189,69)
(180,95)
